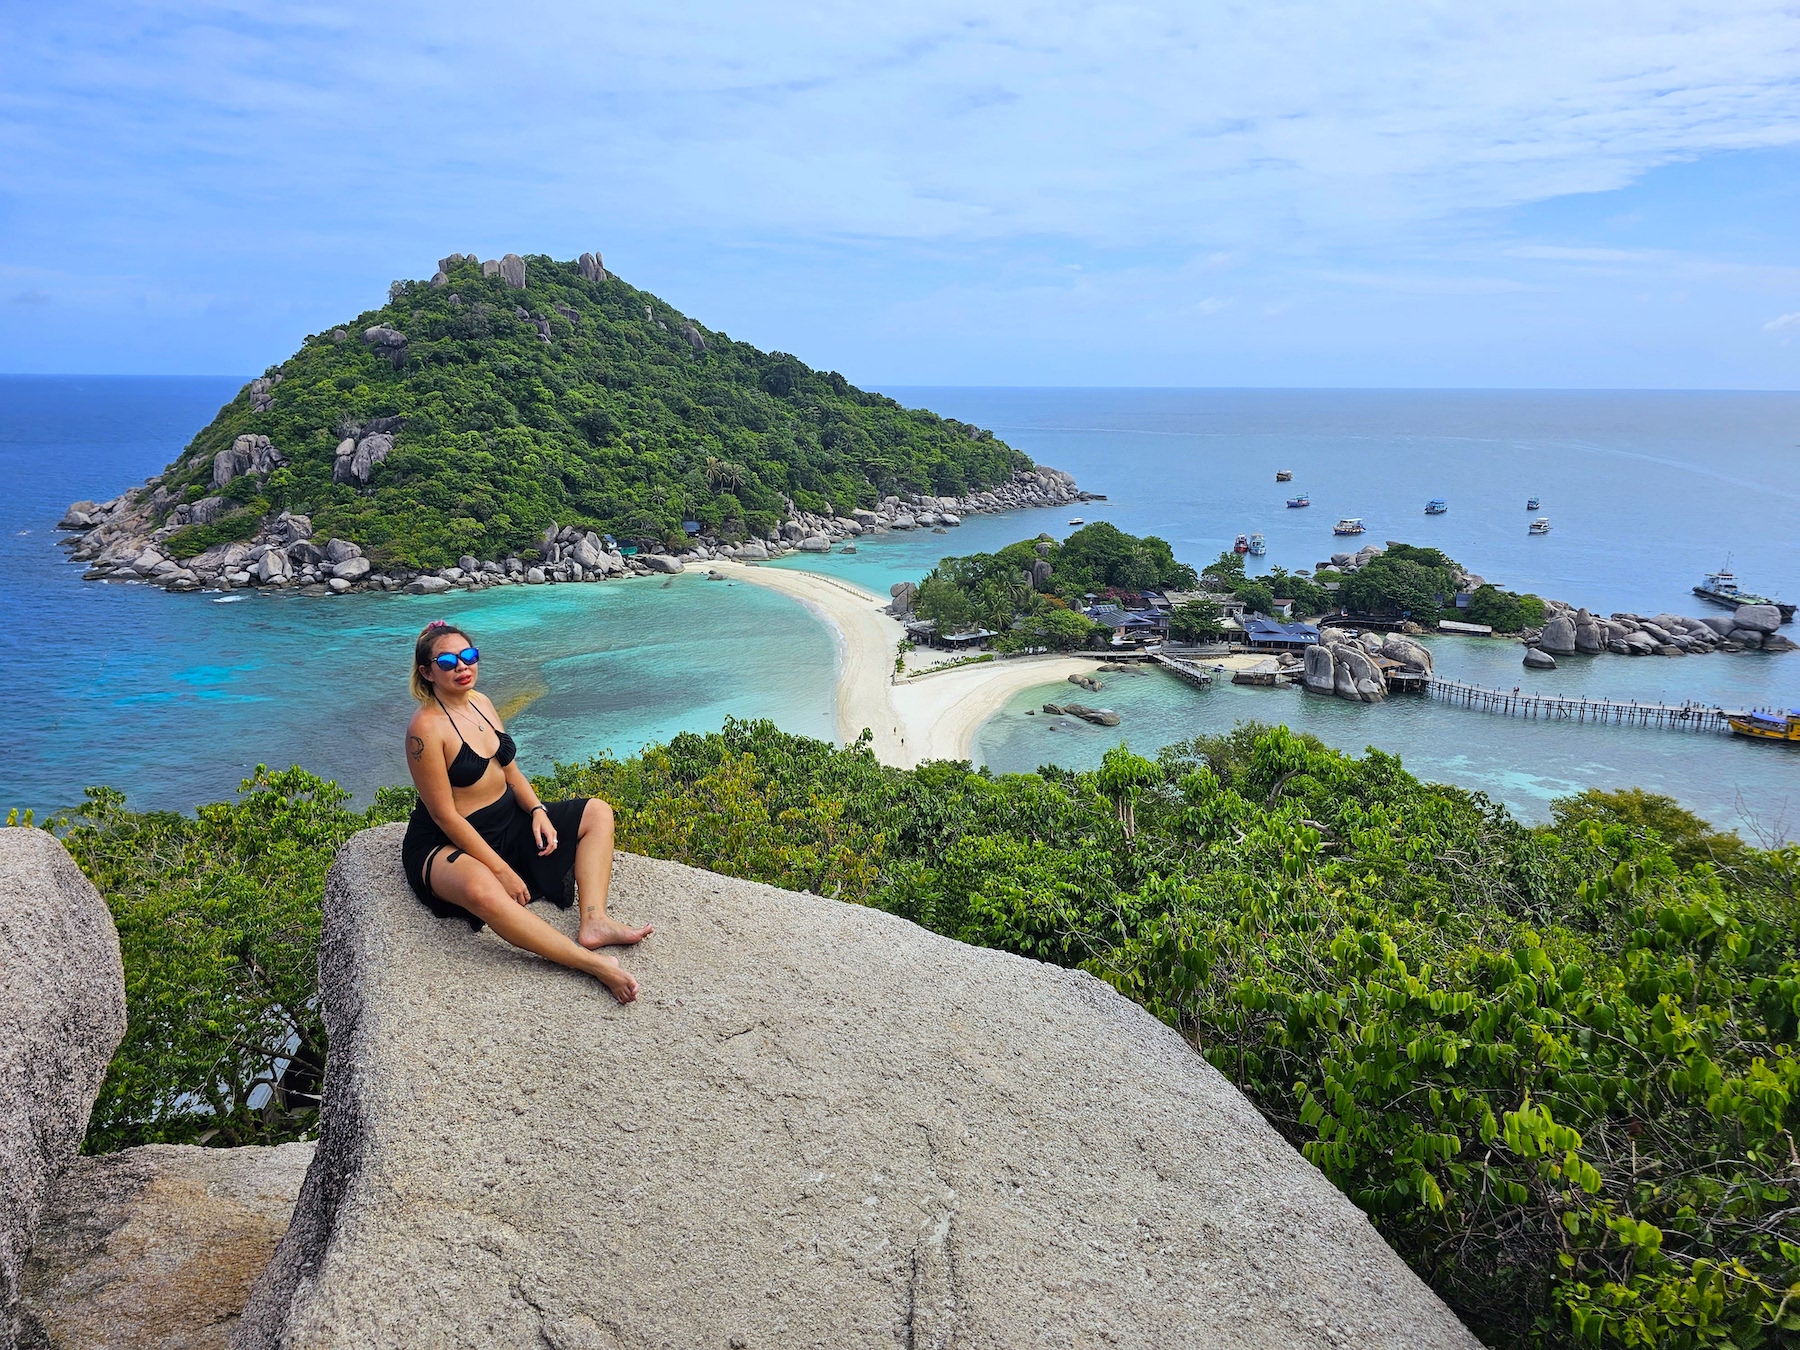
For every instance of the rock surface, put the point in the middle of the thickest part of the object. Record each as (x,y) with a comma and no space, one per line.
(819,1126)
(1559,636)
(62,1014)
(1757,618)
(156,1246)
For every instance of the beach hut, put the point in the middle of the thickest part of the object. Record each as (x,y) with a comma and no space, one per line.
(1267,635)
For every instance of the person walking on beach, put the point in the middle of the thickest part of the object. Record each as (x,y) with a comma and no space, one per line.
(480,846)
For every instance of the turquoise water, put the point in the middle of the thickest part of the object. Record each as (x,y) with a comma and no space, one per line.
(177,697)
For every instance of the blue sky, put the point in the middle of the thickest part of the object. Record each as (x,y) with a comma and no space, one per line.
(1545,194)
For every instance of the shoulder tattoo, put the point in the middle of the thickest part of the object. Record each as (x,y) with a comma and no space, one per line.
(415,747)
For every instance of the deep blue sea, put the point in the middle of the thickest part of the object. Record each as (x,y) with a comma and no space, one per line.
(175,698)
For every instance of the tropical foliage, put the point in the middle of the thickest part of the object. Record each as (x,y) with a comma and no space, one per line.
(1556,1066)
(626,418)
(1030,592)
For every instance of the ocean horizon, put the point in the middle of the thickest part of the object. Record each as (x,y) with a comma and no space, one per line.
(174,698)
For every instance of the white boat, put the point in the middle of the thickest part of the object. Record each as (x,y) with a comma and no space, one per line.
(1532,505)
(1540,526)
(1348,525)
(1257,546)
(1076,520)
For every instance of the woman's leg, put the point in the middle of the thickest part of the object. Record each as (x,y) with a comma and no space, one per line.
(468,883)
(593,878)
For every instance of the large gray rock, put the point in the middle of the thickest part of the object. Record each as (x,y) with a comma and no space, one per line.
(1757,618)
(1590,633)
(819,1126)
(356,460)
(156,1247)
(1559,636)
(903,593)
(512,271)
(753,550)
(1537,660)
(660,562)
(341,550)
(1412,655)
(426,586)
(1720,624)
(591,267)
(62,1014)
(1320,675)
(1357,677)
(351,569)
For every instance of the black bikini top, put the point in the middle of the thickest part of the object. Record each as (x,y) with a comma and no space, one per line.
(468,767)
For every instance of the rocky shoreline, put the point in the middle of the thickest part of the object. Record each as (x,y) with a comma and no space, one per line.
(1568,631)
(125,539)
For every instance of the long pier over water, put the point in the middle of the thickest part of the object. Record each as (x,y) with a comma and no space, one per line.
(1563,708)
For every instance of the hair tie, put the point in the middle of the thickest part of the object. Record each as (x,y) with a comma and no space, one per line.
(437,623)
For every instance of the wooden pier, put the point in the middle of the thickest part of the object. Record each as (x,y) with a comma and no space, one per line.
(1563,708)
(1187,670)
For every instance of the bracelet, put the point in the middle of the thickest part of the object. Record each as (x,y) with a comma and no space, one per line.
(539,807)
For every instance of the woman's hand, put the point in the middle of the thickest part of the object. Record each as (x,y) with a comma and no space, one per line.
(544,832)
(514,885)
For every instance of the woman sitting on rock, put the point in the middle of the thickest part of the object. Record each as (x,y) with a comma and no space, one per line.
(480,845)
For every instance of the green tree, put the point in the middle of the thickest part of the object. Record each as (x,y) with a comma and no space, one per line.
(1257,597)
(1196,621)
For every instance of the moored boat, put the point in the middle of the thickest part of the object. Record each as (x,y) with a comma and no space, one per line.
(1721,588)
(1258,546)
(1540,526)
(1436,506)
(1532,505)
(1762,726)
(1284,475)
(1242,545)
(1348,525)
(1301,500)
(1076,520)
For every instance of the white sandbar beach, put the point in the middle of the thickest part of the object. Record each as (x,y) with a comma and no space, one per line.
(934,717)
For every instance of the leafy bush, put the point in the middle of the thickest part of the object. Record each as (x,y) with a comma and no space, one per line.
(218,919)
(1556,1067)
(1404,580)
(620,422)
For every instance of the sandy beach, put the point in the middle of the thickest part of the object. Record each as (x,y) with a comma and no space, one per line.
(935,717)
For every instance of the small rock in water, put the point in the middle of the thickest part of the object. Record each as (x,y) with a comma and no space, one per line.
(1537,660)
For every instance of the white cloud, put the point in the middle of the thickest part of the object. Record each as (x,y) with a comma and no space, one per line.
(1780,322)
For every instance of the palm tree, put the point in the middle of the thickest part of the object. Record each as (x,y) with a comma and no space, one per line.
(722,474)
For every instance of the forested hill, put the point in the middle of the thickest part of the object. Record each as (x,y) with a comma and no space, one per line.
(573,397)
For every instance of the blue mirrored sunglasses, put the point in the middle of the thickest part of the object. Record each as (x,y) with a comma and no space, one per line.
(447,661)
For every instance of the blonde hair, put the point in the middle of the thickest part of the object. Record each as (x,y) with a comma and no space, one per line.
(428,636)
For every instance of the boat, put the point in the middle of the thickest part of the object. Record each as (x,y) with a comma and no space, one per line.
(1284,475)
(1242,545)
(1076,520)
(1436,506)
(1257,546)
(1540,526)
(1721,588)
(1301,500)
(1532,505)
(1763,726)
(1348,525)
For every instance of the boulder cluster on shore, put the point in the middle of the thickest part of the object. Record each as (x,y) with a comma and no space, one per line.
(125,539)
(1345,665)
(1568,630)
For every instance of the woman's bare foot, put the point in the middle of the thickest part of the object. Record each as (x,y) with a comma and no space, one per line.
(604,932)
(618,981)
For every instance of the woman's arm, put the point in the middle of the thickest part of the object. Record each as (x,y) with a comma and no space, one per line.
(425,761)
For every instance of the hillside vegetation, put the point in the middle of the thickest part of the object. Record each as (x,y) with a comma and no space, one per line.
(583,401)
(1556,1066)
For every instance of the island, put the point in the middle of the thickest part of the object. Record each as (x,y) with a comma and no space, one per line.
(529,421)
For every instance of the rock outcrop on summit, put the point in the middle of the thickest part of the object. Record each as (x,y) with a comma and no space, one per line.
(819,1126)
